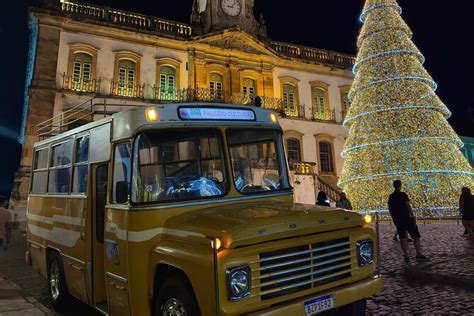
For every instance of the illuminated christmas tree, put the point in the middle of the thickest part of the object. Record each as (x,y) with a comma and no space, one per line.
(397,125)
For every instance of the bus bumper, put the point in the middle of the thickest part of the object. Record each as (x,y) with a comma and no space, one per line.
(343,295)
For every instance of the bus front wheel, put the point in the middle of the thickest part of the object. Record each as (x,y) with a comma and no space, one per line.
(57,288)
(175,297)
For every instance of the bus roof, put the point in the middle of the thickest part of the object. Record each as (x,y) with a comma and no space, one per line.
(125,123)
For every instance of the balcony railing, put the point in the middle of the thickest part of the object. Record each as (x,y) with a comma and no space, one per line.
(125,18)
(294,111)
(302,167)
(91,85)
(126,90)
(215,96)
(324,115)
(313,54)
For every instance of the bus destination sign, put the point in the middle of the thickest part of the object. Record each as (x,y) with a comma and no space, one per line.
(211,113)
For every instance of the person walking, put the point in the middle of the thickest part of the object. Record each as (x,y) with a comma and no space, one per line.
(322,199)
(466,207)
(404,220)
(344,202)
(5,225)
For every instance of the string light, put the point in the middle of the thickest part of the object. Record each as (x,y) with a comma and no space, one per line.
(397,124)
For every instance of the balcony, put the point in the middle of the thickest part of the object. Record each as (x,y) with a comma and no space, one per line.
(296,111)
(86,86)
(302,167)
(124,18)
(126,90)
(324,115)
(321,56)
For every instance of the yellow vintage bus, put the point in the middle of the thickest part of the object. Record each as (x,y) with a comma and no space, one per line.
(187,209)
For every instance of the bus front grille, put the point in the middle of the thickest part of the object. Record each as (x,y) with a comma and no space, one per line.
(295,269)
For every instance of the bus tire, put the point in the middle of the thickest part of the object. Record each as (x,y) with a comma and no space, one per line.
(57,288)
(175,295)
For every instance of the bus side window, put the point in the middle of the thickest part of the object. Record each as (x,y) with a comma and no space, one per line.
(81,166)
(121,175)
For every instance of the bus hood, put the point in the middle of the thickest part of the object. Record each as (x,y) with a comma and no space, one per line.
(251,223)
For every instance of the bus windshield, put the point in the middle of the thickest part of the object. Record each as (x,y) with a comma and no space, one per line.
(182,164)
(257,160)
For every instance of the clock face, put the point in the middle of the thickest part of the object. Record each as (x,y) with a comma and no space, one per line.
(231,7)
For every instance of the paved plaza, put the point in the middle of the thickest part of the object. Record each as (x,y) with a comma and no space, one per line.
(443,285)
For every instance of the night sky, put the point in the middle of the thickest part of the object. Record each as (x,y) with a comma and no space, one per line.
(443,32)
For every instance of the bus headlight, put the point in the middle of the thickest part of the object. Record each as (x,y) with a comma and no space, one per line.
(238,283)
(365,252)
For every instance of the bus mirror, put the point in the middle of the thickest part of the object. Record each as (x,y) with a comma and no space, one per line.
(121,192)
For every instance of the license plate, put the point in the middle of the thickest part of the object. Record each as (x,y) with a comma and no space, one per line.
(319,304)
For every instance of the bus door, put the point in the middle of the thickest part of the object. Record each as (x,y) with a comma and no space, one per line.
(98,205)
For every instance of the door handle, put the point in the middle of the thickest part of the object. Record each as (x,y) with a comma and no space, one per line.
(83,215)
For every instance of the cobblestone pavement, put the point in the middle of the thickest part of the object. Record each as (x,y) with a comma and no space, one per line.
(14,269)
(448,252)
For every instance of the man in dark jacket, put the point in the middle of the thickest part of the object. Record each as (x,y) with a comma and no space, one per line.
(404,219)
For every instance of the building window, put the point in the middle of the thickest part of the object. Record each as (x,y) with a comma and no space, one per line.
(345,103)
(81,72)
(318,103)
(248,89)
(81,69)
(294,149)
(167,83)
(325,157)
(126,77)
(215,86)
(289,99)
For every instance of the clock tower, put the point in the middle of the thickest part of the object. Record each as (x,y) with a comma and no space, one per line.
(214,15)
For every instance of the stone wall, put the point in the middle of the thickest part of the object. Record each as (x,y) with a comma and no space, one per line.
(41,104)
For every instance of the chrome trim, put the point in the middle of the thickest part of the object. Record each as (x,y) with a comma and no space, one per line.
(310,266)
(277,265)
(288,287)
(35,244)
(304,252)
(72,258)
(59,196)
(299,276)
(286,230)
(116,277)
(76,267)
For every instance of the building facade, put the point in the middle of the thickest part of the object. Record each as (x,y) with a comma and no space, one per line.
(89,61)
(468,149)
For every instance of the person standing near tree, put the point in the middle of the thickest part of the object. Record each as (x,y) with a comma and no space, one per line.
(404,220)
(5,225)
(344,202)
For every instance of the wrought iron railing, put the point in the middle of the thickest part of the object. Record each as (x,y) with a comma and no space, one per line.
(323,115)
(126,90)
(91,85)
(125,18)
(294,110)
(215,96)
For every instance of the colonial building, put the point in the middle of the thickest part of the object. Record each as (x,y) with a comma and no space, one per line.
(87,61)
(468,149)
